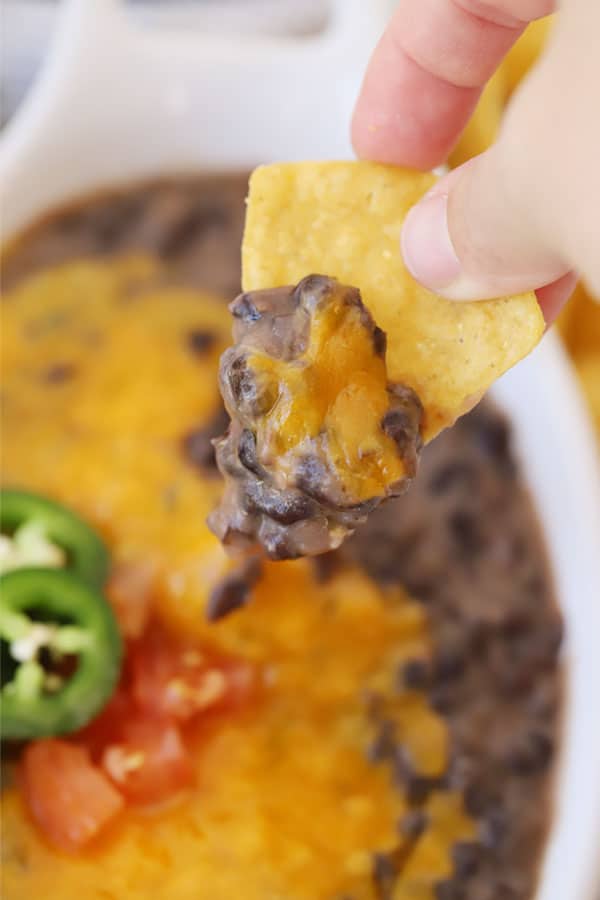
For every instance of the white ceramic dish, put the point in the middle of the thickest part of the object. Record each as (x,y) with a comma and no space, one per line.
(116,102)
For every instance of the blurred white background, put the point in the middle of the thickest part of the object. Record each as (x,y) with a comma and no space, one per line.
(26,27)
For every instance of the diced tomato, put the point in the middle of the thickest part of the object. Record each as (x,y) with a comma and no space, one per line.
(180,681)
(167,685)
(107,727)
(150,763)
(69,797)
(134,750)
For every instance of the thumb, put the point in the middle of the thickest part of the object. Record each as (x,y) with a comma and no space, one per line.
(526,211)
(473,236)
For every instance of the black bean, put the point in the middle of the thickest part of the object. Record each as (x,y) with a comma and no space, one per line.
(493,438)
(200,341)
(515,624)
(59,373)
(465,530)
(379,341)
(309,286)
(247,452)
(477,634)
(531,754)
(277,544)
(443,698)
(407,397)
(114,221)
(453,475)
(285,507)
(420,588)
(544,699)
(311,475)
(403,424)
(507,892)
(197,444)
(461,773)
(384,875)
(361,509)
(107,228)
(244,308)
(241,380)
(416,787)
(225,598)
(326,565)
(488,888)
(198,449)
(252,397)
(383,747)
(449,890)
(384,568)
(466,857)
(481,794)
(399,425)
(413,824)
(415,674)
(449,661)
(493,830)
(233,591)
(389,559)
(182,233)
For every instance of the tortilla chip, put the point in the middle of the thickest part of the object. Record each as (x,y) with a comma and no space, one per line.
(483,126)
(580,322)
(588,369)
(343,219)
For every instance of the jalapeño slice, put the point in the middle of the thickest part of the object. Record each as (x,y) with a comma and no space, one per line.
(61,652)
(36,531)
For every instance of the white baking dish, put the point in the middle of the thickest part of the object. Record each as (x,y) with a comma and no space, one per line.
(117,102)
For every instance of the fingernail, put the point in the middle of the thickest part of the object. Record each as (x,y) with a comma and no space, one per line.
(426,246)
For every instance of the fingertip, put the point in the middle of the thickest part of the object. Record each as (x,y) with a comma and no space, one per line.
(407,116)
(379,142)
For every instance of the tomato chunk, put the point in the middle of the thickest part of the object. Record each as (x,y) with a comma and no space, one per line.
(107,727)
(70,798)
(150,763)
(178,680)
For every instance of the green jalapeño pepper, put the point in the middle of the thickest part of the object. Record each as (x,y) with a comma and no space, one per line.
(36,531)
(61,652)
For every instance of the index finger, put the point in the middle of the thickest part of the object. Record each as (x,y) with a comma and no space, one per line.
(427,73)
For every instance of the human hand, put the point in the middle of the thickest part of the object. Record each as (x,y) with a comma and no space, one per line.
(526,213)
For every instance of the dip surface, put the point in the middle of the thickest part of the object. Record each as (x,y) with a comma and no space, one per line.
(402,745)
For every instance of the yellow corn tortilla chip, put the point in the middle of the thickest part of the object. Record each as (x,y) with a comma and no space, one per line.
(343,219)
(588,369)
(579,322)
